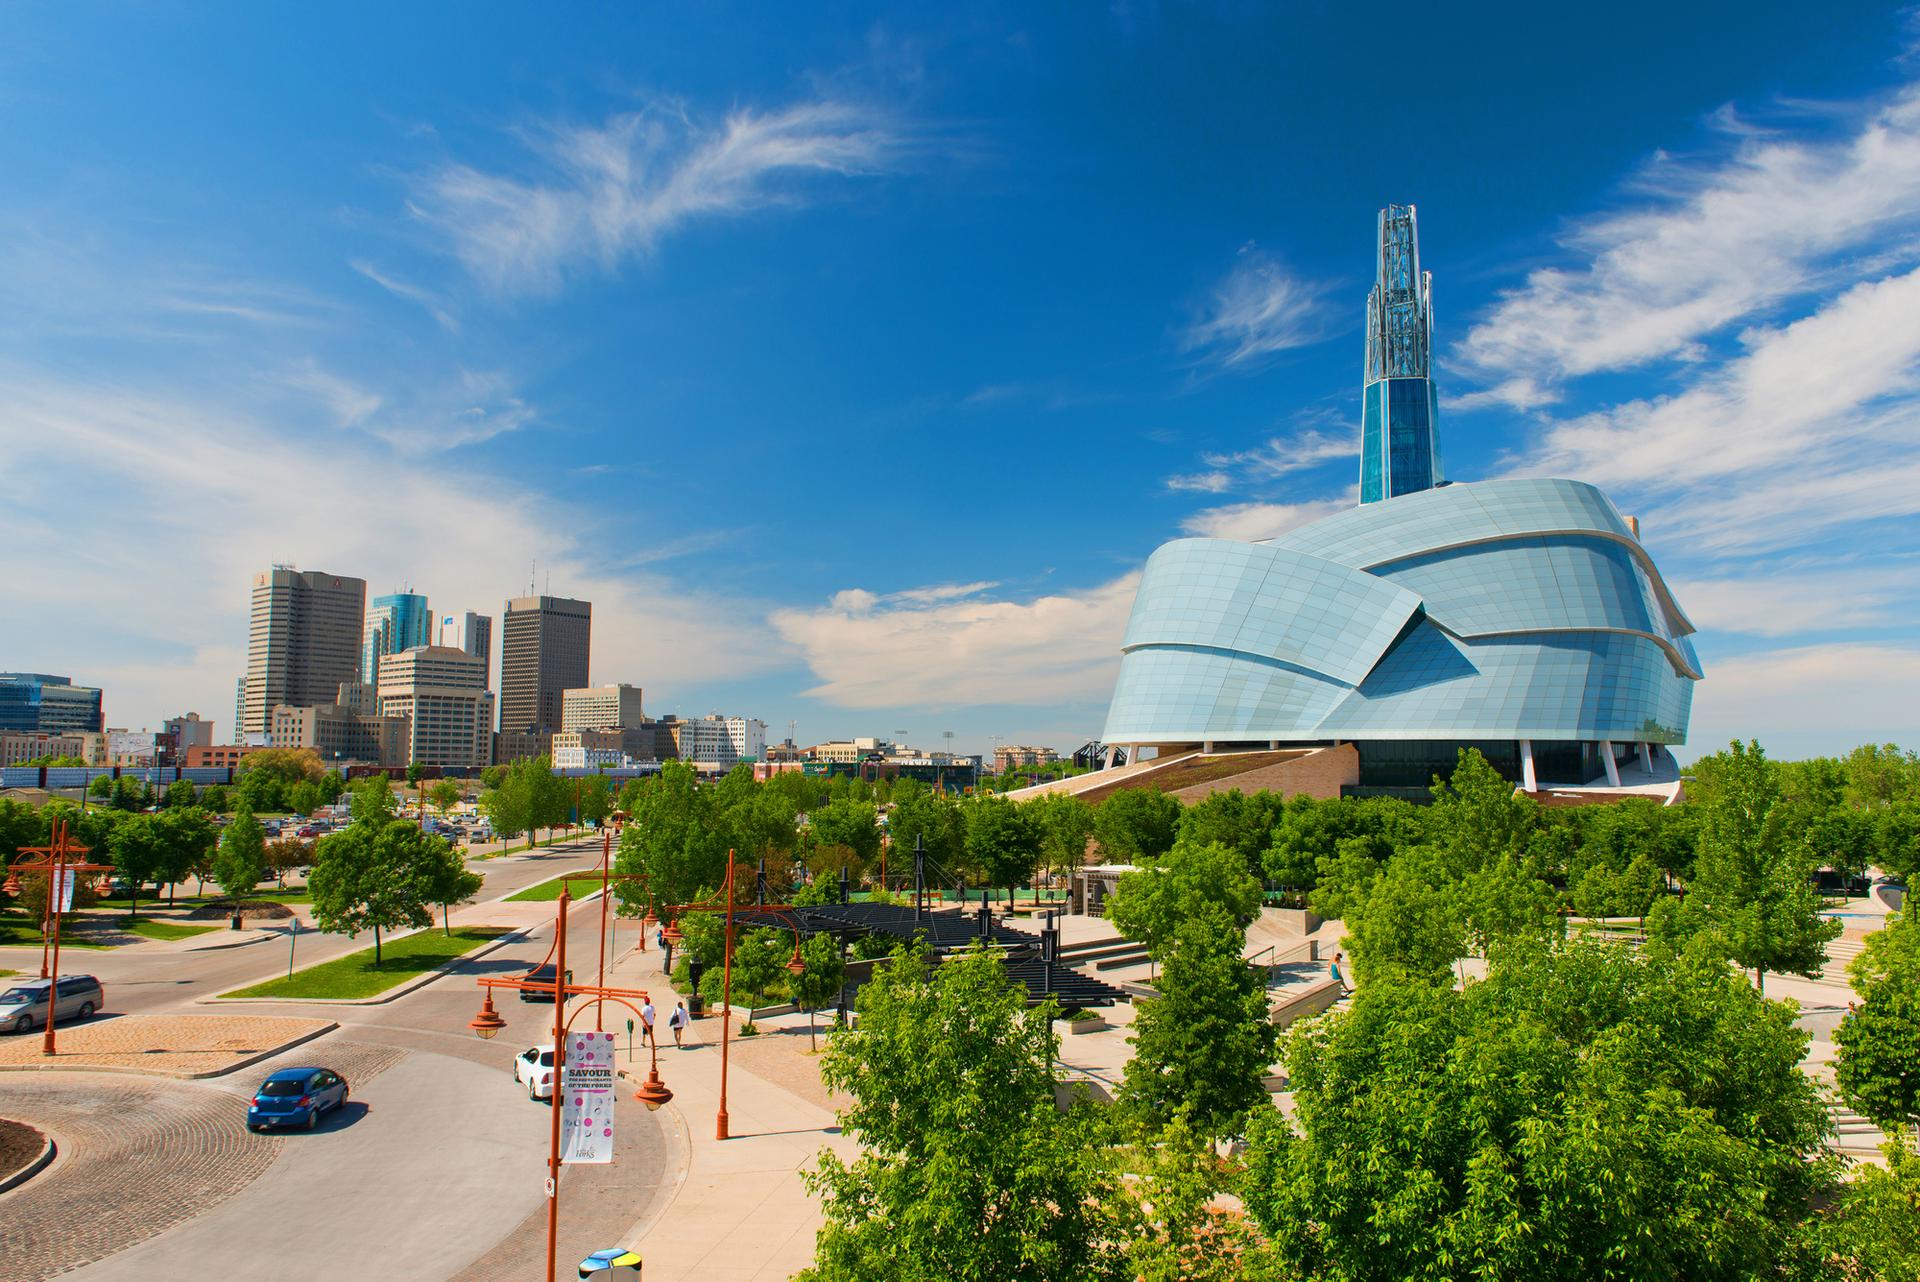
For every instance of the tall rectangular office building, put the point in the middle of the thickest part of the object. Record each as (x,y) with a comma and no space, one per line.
(472,633)
(303,642)
(544,643)
(40,701)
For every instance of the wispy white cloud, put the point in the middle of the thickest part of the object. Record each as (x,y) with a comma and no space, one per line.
(1258,309)
(1817,425)
(1259,467)
(1706,243)
(949,647)
(597,195)
(1820,699)
(1251,522)
(1200,482)
(434,305)
(1799,602)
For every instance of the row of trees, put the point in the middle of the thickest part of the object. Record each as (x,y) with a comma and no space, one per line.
(381,873)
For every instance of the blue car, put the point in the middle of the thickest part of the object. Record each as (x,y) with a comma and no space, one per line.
(296,1097)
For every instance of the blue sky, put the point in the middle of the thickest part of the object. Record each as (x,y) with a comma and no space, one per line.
(852,359)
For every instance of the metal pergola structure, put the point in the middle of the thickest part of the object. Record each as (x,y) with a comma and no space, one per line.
(1031,959)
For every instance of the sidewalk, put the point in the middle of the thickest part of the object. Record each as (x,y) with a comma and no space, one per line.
(741,1214)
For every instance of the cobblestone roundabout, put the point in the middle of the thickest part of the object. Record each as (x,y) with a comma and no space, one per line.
(137,1156)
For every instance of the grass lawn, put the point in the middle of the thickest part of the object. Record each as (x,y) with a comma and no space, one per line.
(17,930)
(548,891)
(292,895)
(355,975)
(150,929)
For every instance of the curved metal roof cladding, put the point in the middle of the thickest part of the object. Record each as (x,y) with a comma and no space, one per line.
(1514,608)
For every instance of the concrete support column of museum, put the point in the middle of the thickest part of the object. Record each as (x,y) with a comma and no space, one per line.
(1613,767)
(1528,778)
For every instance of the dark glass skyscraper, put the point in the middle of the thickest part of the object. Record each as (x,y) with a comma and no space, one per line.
(1400,417)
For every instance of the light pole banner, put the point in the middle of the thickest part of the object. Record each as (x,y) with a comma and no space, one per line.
(63,889)
(586,1113)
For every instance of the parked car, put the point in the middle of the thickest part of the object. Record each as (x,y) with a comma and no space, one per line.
(308,830)
(540,975)
(23,1006)
(533,1067)
(296,1097)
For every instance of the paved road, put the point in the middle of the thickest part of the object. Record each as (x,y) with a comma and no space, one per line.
(435,1171)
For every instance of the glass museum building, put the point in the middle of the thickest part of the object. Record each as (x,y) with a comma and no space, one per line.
(1522,617)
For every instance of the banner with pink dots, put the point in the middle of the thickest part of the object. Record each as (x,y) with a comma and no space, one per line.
(586,1112)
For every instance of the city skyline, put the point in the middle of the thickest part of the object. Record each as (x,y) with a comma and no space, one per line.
(854,383)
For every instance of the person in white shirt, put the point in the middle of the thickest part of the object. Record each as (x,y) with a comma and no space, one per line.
(646,1020)
(678,1021)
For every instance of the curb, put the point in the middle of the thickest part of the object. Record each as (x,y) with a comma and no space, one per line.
(31,1169)
(234,1067)
(393,994)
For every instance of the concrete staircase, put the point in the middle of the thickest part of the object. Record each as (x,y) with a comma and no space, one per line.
(1840,954)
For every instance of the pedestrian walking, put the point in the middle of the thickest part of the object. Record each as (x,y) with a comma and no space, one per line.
(678,1021)
(1338,976)
(646,1019)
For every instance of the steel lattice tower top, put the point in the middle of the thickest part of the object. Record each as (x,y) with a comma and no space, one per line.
(1399,426)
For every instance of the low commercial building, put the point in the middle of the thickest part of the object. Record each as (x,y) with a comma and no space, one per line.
(18,747)
(189,731)
(139,748)
(714,740)
(218,756)
(337,733)
(510,746)
(599,707)
(441,693)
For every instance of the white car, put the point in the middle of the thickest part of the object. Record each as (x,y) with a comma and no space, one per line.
(534,1066)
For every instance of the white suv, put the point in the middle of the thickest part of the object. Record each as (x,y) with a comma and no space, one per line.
(534,1066)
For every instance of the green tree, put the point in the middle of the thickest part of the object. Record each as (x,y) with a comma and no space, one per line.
(1752,889)
(1583,1113)
(1066,825)
(1408,923)
(1881,775)
(674,838)
(304,797)
(596,799)
(851,824)
(372,801)
(416,771)
(101,786)
(179,793)
(508,807)
(190,842)
(1196,888)
(1243,823)
(1878,1044)
(240,861)
(1202,1048)
(445,795)
(214,799)
(445,878)
(1896,840)
(820,983)
(1477,816)
(967,1168)
(138,852)
(1003,841)
(920,814)
(1136,825)
(285,854)
(372,876)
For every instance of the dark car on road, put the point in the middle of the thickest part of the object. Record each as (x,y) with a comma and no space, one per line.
(540,975)
(296,1097)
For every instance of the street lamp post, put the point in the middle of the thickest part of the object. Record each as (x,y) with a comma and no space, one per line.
(57,863)
(795,966)
(488,1023)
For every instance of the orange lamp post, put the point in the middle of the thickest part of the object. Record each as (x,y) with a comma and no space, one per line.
(57,862)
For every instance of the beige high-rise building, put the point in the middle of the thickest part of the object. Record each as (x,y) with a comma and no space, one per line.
(601,707)
(303,641)
(442,693)
(544,644)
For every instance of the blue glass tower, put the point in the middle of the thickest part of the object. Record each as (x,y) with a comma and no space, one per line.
(1400,417)
(396,623)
